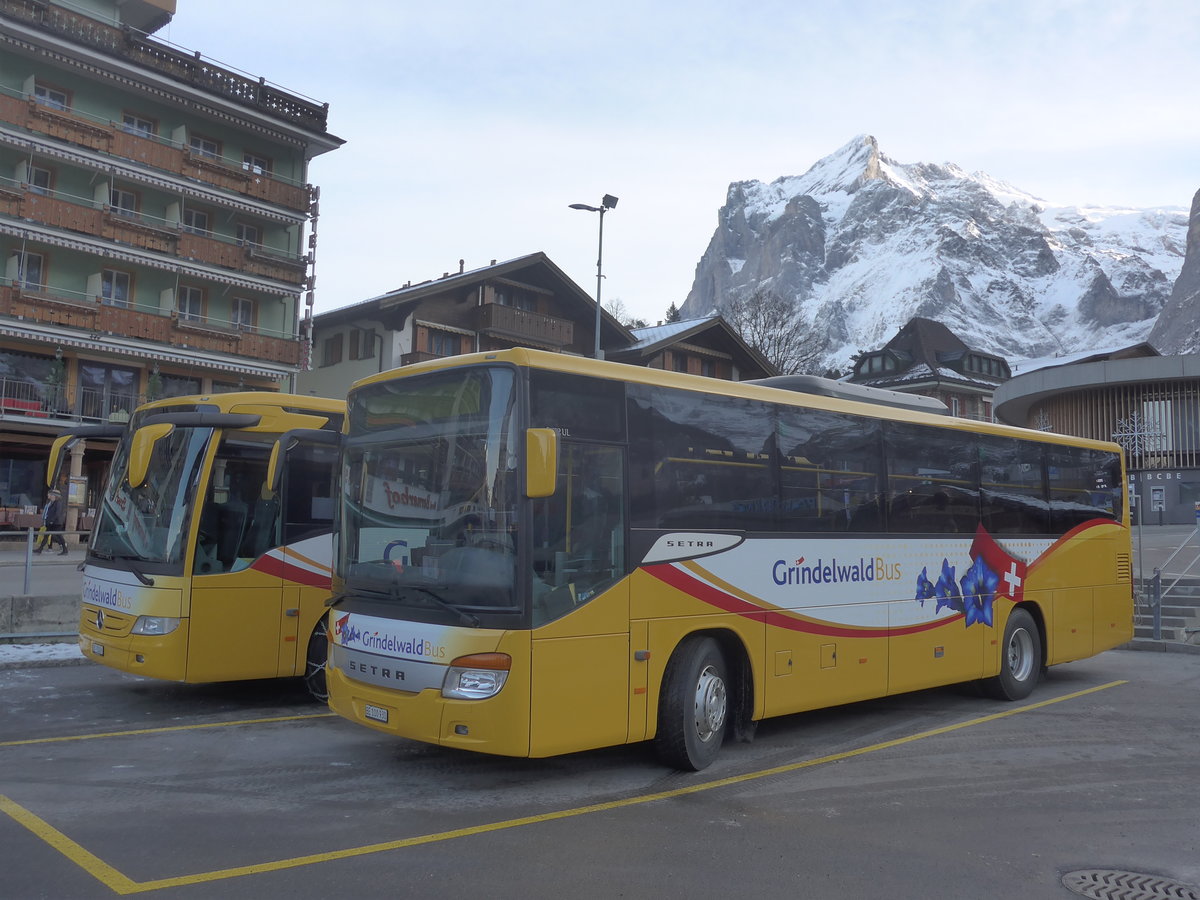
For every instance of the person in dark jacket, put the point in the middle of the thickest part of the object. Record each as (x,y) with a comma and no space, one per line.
(53,517)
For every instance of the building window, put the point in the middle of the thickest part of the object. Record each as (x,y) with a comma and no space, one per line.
(247,234)
(123,203)
(243,313)
(259,165)
(507,295)
(115,287)
(443,344)
(206,147)
(50,96)
(135,124)
(191,303)
(195,221)
(708,368)
(955,406)
(679,362)
(331,350)
(362,343)
(39,180)
(31,269)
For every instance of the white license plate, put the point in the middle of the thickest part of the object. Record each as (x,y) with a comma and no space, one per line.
(98,649)
(378,713)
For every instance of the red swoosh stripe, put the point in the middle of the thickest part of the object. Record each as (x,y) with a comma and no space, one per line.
(706,593)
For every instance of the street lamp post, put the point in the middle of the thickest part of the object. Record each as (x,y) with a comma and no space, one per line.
(606,203)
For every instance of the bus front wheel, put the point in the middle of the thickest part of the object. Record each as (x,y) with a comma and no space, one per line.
(1020,661)
(694,706)
(314,665)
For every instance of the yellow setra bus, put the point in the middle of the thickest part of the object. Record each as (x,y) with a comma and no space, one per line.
(197,570)
(542,554)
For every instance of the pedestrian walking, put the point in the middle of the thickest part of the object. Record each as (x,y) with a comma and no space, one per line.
(53,518)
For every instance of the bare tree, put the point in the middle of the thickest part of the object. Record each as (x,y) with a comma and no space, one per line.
(617,309)
(775,328)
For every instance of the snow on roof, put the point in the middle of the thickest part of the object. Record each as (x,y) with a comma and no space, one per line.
(655,334)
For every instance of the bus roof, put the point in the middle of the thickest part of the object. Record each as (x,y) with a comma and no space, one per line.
(762,389)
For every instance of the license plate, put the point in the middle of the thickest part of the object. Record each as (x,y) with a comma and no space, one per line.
(378,713)
(98,649)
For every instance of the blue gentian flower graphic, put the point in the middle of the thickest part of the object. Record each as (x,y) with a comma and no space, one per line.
(946,590)
(979,589)
(924,586)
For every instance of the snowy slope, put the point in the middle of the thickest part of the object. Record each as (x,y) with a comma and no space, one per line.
(861,244)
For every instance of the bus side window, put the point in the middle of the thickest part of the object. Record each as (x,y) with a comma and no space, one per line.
(932,479)
(1082,486)
(701,464)
(579,532)
(307,492)
(1012,492)
(829,470)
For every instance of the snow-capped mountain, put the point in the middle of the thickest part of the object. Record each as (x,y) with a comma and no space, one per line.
(861,244)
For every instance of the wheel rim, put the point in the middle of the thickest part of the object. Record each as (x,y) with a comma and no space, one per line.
(710,703)
(1020,654)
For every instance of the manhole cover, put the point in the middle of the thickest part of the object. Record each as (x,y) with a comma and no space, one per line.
(1109,884)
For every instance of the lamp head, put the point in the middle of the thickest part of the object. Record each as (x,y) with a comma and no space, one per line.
(609,201)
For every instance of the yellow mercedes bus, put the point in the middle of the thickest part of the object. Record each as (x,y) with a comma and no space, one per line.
(541,554)
(197,569)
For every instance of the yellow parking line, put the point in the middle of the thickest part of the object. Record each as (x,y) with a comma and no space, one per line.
(121,884)
(163,730)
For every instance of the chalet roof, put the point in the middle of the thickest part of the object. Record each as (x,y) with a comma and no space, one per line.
(924,339)
(711,331)
(536,269)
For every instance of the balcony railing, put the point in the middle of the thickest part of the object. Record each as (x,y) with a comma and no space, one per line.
(51,306)
(134,46)
(520,325)
(66,402)
(113,139)
(83,215)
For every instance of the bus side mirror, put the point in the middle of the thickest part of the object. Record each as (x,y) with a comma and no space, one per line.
(141,449)
(541,462)
(54,465)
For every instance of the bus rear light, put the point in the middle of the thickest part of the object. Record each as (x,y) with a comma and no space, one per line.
(476,677)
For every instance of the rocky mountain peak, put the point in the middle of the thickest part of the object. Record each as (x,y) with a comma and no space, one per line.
(861,243)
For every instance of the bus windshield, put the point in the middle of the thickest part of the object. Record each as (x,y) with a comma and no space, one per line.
(430,494)
(149,523)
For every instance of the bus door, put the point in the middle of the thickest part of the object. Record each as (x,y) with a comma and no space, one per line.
(580,654)
(237,618)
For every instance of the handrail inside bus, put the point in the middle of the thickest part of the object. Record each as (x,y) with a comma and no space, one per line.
(841,390)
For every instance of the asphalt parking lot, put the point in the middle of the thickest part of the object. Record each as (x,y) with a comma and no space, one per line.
(113,785)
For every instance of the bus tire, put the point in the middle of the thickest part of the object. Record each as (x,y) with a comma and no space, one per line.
(314,664)
(693,710)
(1020,659)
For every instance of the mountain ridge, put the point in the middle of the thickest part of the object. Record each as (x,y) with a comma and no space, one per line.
(861,243)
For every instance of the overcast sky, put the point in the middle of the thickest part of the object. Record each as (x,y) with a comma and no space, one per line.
(471,125)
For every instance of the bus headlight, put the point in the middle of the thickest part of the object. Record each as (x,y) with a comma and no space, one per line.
(154,625)
(476,677)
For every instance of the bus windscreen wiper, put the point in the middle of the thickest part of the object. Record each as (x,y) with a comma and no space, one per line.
(128,559)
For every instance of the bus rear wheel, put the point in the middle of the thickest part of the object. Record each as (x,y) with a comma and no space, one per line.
(314,666)
(1021,659)
(694,707)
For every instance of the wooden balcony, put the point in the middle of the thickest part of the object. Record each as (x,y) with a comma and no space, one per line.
(112,139)
(113,225)
(510,323)
(190,68)
(166,327)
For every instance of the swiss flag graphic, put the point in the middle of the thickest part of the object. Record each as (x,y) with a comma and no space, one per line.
(1009,570)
